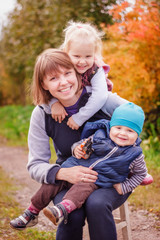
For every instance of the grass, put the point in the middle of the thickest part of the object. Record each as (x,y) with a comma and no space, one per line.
(148,197)
(9,208)
(14,123)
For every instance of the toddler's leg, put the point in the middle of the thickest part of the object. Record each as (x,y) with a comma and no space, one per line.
(73,199)
(79,192)
(46,193)
(40,200)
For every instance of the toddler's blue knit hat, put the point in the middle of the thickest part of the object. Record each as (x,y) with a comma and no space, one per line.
(129,115)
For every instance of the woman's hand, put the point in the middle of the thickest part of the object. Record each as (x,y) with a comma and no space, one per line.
(118,188)
(77,174)
(71,123)
(58,112)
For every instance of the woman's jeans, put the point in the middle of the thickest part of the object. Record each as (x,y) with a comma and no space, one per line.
(98,210)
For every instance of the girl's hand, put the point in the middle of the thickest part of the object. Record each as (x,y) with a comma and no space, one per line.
(77,174)
(71,123)
(58,112)
(78,153)
(118,188)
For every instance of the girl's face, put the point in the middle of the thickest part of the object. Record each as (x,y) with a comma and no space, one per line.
(62,85)
(82,54)
(123,136)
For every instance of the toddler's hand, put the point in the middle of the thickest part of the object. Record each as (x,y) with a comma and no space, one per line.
(71,123)
(118,188)
(58,112)
(78,153)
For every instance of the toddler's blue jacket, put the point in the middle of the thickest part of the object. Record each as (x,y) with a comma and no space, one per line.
(108,159)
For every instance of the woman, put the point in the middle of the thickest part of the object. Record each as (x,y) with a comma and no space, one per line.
(55,76)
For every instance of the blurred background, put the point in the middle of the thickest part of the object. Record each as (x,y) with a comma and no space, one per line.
(131,46)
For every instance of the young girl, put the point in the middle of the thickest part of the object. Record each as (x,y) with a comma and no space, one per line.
(83,44)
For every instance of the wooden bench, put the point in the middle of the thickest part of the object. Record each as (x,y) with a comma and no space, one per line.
(123,221)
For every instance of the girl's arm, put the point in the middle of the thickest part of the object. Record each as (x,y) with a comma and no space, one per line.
(139,172)
(113,101)
(97,99)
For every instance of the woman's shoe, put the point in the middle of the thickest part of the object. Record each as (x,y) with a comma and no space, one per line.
(27,219)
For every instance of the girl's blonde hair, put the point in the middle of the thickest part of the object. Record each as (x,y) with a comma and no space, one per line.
(82,31)
(47,62)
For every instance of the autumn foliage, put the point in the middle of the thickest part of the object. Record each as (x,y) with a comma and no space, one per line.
(133,51)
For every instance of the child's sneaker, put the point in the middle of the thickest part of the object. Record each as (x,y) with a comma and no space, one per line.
(27,219)
(147,180)
(56,214)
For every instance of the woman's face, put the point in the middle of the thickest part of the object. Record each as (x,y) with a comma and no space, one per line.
(62,85)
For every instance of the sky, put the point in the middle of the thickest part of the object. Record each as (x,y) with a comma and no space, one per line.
(5,7)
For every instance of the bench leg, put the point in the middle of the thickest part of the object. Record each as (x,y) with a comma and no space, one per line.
(124,215)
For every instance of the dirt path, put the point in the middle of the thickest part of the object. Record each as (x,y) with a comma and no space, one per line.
(13,161)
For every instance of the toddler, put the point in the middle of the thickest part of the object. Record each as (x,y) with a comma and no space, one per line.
(84,45)
(117,153)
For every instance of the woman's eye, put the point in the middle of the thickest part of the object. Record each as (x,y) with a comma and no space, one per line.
(53,78)
(88,56)
(69,72)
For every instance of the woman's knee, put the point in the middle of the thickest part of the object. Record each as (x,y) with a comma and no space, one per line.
(97,204)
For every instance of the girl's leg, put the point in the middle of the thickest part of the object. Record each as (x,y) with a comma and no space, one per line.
(73,230)
(99,207)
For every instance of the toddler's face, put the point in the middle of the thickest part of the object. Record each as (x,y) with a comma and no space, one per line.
(123,136)
(82,54)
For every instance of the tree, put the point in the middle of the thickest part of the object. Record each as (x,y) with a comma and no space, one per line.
(135,54)
(36,25)
(137,32)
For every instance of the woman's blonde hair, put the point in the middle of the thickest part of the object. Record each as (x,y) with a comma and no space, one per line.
(47,62)
(82,31)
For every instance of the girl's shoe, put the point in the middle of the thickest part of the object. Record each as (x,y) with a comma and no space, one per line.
(27,219)
(147,180)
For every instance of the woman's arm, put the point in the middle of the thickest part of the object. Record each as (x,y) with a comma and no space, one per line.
(99,94)
(39,155)
(39,148)
(77,174)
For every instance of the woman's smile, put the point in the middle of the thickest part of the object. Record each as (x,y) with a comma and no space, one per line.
(66,90)
(62,85)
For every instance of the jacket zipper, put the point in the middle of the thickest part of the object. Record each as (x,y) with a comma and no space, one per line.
(105,157)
